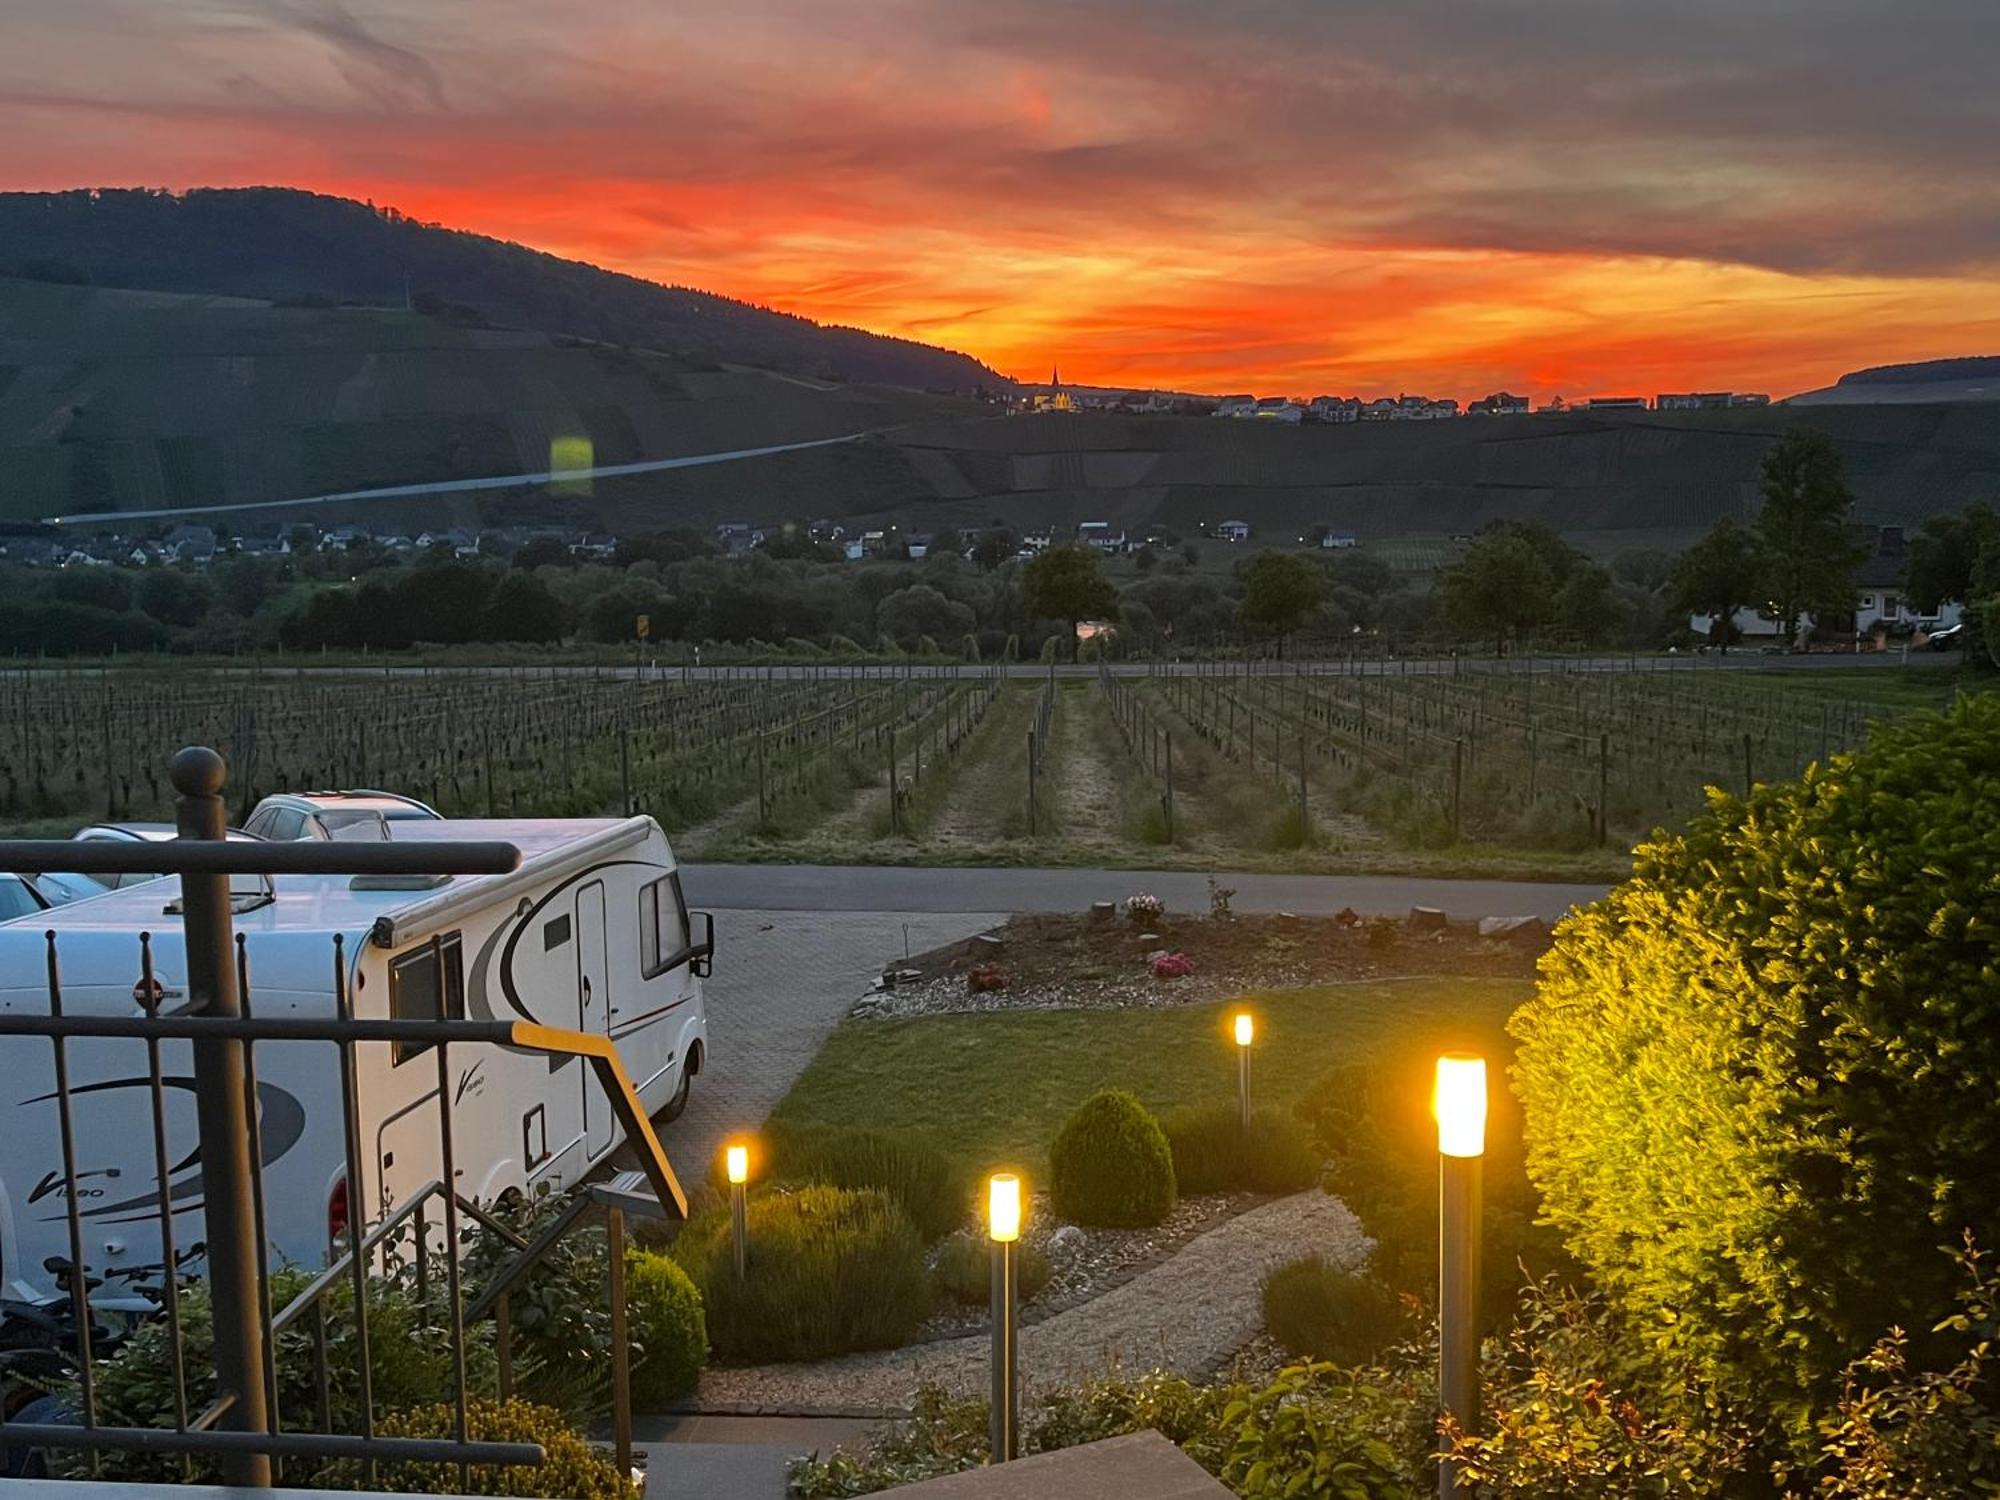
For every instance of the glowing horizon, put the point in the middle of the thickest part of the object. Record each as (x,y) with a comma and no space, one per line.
(1305,198)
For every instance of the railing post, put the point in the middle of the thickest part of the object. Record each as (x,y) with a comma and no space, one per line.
(222,1106)
(621,1355)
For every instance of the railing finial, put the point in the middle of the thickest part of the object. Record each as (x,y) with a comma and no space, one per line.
(197,771)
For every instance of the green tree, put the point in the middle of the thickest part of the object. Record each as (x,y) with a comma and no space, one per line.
(1586,608)
(1717,576)
(1499,589)
(1957,558)
(1760,1080)
(1068,584)
(908,615)
(174,596)
(522,608)
(1808,560)
(994,546)
(1281,592)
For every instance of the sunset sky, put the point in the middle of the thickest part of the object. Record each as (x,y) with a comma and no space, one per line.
(1296,196)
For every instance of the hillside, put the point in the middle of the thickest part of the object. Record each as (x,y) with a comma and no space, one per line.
(123,400)
(285,244)
(144,400)
(1971,378)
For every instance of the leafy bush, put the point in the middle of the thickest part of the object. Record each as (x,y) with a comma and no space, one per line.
(1373,1123)
(1568,1410)
(1575,1405)
(409,1361)
(1111,1165)
(1214,1154)
(570,1466)
(918,1176)
(830,1271)
(1762,1078)
(963,1268)
(560,1315)
(1319,1311)
(1310,1430)
(667,1325)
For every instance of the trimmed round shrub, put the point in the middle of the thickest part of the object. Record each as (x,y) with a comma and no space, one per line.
(666,1321)
(1319,1311)
(918,1176)
(1111,1165)
(571,1467)
(829,1271)
(963,1268)
(1761,1079)
(1214,1154)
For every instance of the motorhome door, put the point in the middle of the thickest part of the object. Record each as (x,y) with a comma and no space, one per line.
(593,987)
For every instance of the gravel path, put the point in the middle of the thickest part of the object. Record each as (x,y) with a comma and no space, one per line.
(1188,1314)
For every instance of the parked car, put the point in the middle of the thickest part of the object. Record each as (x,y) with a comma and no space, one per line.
(285,816)
(1948,639)
(134,833)
(23,895)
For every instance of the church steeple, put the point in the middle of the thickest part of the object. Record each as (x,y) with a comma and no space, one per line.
(1055,377)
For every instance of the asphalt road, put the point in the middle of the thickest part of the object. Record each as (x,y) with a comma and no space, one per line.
(886,888)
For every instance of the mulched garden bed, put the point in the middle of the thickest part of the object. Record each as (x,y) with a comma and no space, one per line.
(1107,961)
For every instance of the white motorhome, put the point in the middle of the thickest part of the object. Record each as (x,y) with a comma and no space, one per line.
(591,933)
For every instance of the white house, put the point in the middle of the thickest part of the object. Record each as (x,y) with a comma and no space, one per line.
(1236,406)
(1099,534)
(1279,409)
(1881,604)
(1339,539)
(1234,531)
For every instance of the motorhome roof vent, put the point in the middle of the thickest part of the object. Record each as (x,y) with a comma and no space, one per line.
(398,882)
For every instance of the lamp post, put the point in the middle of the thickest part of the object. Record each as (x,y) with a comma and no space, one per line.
(1003,1228)
(1246,1032)
(736,1159)
(1459,1103)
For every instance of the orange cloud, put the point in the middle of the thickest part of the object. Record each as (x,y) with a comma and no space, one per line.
(1289,197)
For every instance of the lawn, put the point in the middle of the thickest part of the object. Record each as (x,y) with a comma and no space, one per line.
(992,1089)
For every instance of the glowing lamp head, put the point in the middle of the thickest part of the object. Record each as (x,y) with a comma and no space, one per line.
(1003,1207)
(737,1160)
(1459,1103)
(1245,1028)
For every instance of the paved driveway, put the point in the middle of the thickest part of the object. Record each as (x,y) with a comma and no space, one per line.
(782,981)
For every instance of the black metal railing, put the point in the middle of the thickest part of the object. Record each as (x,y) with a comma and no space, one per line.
(239,1426)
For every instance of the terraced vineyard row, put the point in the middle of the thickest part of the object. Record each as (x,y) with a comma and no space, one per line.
(1559,759)
(1316,766)
(82,746)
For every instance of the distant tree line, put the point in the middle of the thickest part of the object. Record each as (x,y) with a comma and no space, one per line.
(1517,584)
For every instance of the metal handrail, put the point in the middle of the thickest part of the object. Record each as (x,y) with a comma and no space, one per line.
(257,857)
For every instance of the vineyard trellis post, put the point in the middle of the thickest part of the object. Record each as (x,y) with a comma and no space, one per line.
(1457,785)
(1034,770)
(1305,811)
(1603,789)
(895,812)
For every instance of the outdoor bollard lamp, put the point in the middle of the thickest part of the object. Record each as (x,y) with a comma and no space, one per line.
(736,1160)
(1003,1227)
(1459,1102)
(1246,1031)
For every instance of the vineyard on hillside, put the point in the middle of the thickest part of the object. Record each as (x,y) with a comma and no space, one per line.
(1317,766)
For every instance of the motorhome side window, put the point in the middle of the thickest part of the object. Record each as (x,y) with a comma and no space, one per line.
(415,993)
(663,931)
